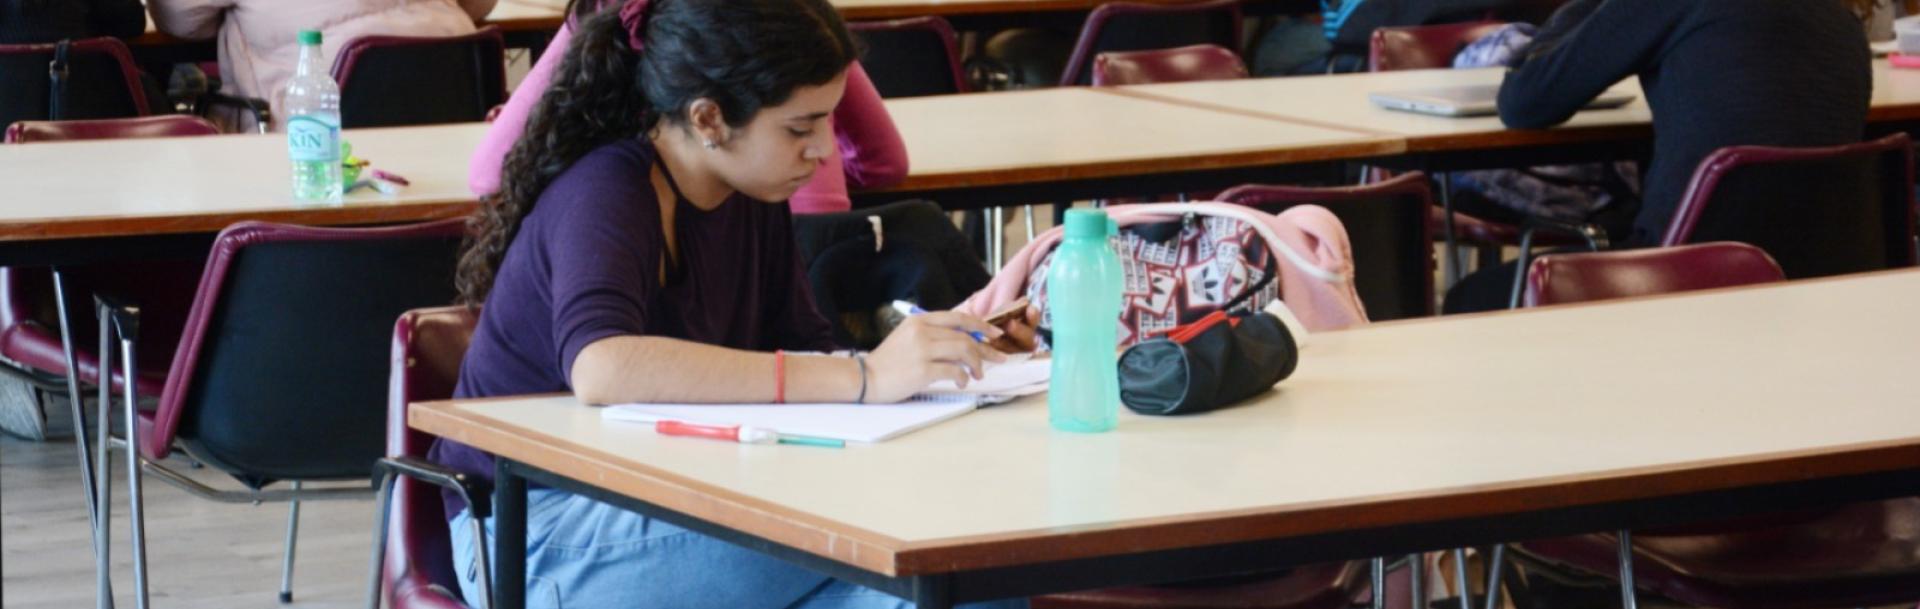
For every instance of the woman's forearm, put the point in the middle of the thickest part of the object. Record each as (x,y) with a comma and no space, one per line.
(652,369)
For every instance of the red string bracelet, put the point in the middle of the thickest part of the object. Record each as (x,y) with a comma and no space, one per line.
(779,377)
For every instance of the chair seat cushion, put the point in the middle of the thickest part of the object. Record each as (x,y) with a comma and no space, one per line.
(1475,231)
(1861,554)
(1328,586)
(38,348)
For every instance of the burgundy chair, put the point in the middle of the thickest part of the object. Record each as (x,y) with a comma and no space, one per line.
(1130,26)
(1863,554)
(1387,224)
(100,81)
(388,81)
(413,553)
(30,341)
(911,57)
(1584,277)
(1183,64)
(278,375)
(1426,47)
(1818,211)
(160,125)
(1423,47)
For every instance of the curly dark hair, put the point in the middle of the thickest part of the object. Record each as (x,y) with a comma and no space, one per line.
(743,55)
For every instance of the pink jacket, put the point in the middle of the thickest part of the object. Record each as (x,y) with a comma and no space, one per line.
(259,43)
(1316,261)
(870,154)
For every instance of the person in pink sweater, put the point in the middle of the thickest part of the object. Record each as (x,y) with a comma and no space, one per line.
(870,152)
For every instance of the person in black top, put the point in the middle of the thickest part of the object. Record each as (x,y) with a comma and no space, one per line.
(41,21)
(1716,73)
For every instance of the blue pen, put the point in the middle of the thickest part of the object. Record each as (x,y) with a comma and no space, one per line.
(910,309)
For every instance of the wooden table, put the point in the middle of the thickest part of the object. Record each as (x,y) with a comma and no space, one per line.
(1341,100)
(1389,439)
(524,23)
(1074,143)
(77,201)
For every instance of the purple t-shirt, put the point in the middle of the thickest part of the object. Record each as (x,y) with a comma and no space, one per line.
(585,265)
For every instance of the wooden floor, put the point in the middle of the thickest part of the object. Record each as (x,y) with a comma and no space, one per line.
(202,554)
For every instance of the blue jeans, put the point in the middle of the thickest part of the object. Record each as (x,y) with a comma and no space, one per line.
(583,554)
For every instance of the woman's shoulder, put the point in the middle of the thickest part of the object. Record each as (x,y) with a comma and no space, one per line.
(607,184)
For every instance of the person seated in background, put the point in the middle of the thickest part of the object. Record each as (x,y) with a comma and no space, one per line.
(868,150)
(259,44)
(41,21)
(1716,73)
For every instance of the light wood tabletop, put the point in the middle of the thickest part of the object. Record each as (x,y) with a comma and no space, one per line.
(1341,100)
(1074,133)
(1381,426)
(201,184)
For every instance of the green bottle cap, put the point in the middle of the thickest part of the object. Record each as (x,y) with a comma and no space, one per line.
(310,38)
(1086,224)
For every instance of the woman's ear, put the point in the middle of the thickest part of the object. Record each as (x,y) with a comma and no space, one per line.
(707,123)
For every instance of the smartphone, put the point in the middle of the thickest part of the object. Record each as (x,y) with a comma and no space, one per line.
(1012,310)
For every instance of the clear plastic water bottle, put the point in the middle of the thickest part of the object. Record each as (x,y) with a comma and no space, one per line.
(312,103)
(1083,305)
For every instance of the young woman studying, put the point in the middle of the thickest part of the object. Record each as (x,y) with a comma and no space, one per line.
(868,150)
(639,250)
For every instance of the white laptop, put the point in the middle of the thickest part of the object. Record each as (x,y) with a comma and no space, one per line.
(1477,100)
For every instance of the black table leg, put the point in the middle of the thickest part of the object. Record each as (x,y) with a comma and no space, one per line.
(933,592)
(509,537)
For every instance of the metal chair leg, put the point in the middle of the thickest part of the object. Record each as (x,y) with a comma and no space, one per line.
(1627,600)
(1520,270)
(102,459)
(1452,271)
(1417,578)
(103,594)
(1460,578)
(1379,582)
(1493,575)
(384,498)
(293,534)
(128,325)
(1031,232)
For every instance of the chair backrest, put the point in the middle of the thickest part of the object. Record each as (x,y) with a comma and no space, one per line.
(1184,64)
(911,57)
(1583,277)
(428,345)
(279,373)
(159,125)
(101,82)
(1818,211)
(1387,226)
(410,80)
(1129,26)
(1424,46)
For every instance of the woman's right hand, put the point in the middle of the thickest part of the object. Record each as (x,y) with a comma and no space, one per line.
(928,348)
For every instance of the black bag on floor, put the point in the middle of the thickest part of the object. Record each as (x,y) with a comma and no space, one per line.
(859,262)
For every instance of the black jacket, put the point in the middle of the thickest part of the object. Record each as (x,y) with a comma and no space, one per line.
(1716,73)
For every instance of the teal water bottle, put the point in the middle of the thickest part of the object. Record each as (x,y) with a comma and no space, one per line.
(1083,306)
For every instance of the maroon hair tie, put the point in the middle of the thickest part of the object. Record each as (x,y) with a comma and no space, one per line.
(633,17)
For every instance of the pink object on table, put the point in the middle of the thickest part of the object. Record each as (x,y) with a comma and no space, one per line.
(870,152)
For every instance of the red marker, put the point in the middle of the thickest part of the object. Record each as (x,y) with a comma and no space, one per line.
(730,433)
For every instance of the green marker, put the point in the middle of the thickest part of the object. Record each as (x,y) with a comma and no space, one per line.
(812,441)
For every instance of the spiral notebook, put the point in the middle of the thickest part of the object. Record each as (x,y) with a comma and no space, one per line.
(855,422)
